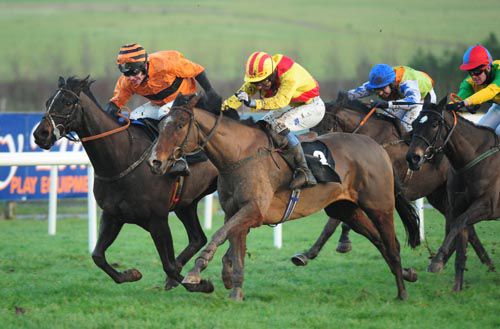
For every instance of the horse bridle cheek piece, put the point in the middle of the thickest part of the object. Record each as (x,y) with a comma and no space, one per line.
(431,149)
(59,133)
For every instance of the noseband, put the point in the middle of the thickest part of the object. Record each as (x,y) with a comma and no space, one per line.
(432,149)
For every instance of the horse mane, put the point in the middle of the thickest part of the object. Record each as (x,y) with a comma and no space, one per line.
(82,85)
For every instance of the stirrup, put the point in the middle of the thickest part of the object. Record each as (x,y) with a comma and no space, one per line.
(180,168)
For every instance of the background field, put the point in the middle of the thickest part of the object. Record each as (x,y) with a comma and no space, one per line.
(51,282)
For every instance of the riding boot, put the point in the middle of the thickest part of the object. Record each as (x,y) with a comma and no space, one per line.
(303,176)
(180,168)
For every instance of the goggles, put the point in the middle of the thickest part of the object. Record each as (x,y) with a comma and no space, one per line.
(476,72)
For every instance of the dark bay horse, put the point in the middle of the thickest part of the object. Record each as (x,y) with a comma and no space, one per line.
(124,187)
(474,184)
(429,181)
(253,188)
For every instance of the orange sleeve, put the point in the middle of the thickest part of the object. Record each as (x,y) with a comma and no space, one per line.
(122,93)
(183,67)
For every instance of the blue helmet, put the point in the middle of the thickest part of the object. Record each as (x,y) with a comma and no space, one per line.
(380,76)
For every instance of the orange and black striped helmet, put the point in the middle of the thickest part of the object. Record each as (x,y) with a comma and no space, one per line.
(132,57)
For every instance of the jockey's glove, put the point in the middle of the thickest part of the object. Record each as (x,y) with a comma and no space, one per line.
(380,104)
(245,99)
(455,106)
(112,109)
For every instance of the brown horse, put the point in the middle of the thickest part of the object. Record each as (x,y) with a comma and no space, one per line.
(253,187)
(429,181)
(474,185)
(124,187)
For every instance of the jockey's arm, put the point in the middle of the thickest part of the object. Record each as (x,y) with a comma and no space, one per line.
(359,92)
(409,89)
(281,99)
(485,94)
(233,102)
(122,92)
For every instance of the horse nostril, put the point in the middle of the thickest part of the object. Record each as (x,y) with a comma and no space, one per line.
(416,158)
(156,164)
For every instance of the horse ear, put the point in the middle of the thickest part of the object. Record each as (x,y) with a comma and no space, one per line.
(60,82)
(443,102)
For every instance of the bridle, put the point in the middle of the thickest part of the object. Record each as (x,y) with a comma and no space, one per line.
(179,151)
(68,118)
(432,149)
(60,130)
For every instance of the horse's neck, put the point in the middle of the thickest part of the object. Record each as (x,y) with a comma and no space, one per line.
(381,131)
(106,153)
(231,141)
(466,143)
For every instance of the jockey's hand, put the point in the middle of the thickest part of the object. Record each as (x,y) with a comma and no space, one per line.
(245,99)
(112,109)
(342,97)
(225,106)
(473,109)
(455,106)
(380,104)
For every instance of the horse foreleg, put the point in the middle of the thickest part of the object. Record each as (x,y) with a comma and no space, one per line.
(344,245)
(479,249)
(162,237)
(237,239)
(247,213)
(109,228)
(460,259)
(197,238)
(476,212)
(301,259)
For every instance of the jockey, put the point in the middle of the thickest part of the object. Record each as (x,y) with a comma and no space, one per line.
(159,77)
(399,84)
(291,96)
(482,85)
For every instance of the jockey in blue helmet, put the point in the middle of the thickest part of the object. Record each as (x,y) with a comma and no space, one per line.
(399,84)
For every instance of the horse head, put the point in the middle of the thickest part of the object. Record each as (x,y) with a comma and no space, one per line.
(63,112)
(431,132)
(177,135)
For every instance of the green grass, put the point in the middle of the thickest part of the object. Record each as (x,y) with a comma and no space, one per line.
(43,39)
(53,283)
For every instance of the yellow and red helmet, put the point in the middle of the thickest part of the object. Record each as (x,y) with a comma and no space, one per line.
(132,57)
(260,65)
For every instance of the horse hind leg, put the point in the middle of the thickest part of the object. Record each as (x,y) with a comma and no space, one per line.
(108,231)
(460,260)
(344,245)
(301,259)
(362,224)
(385,240)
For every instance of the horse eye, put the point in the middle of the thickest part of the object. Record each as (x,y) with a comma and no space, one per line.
(435,124)
(69,103)
(179,126)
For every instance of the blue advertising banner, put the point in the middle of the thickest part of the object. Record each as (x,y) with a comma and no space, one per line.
(32,182)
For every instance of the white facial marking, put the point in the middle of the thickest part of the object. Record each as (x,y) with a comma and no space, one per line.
(423,119)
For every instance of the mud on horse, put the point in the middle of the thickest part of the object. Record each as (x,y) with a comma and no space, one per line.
(430,181)
(473,185)
(124,187)
(253,188)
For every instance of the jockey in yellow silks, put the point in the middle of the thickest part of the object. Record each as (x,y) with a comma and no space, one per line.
(291,96)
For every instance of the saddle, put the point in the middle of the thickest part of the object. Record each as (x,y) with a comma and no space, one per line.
(321,162)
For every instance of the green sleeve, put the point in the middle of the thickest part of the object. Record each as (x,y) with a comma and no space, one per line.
(465,89)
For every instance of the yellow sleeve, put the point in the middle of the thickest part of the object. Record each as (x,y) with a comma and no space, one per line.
(281,99)
(233,101)
(483,95)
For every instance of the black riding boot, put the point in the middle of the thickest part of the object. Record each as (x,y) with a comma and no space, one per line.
(180,168)
(303,175)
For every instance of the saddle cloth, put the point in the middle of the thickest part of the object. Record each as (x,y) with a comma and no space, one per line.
(320,161)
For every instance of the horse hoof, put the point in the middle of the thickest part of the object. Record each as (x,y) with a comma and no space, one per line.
(192,279)
(410,275)
(131,275)
(435,267)
(299,260)
(403,295)
(228,283)
(205,286)
(457,287)
(236,294)
(344,247)
(170,284)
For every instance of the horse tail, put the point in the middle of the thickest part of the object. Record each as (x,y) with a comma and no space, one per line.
(408,215)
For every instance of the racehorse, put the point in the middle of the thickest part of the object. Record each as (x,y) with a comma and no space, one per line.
(429,181)
(474,183)
(253,187)
(124,187)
